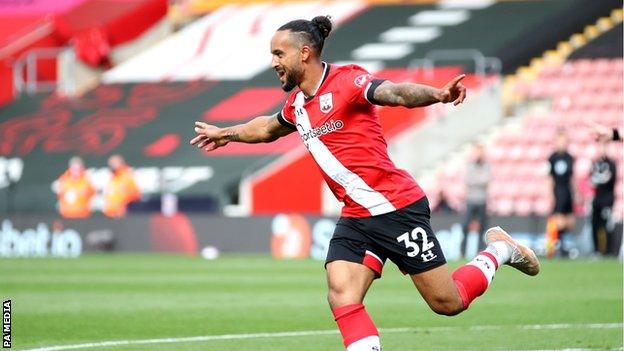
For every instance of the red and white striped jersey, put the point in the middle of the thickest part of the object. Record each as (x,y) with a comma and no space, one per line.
(340,127)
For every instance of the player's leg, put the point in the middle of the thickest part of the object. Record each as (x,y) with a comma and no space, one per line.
(450,294)
(353,262)
(412,245)
(347,284)
(439,290)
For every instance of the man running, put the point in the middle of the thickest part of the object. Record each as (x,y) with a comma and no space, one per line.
(385,214)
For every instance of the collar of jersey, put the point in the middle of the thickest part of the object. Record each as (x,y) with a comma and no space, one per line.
(325,75)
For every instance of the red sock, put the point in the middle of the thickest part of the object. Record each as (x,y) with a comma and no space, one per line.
(473,279)
(354,323)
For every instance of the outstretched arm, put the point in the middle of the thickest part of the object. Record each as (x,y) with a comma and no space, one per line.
(262,129)
(417,95)
(603,133)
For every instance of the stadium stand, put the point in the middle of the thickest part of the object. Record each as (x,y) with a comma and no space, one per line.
(230,43)
(99,34)
(562,97)
(226,250)
(394,37)
(149,123)
(144,110)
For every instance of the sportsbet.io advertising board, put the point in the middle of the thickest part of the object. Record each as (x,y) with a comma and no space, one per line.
(39,241)
(285,236)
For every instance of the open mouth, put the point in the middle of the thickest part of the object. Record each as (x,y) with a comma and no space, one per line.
(280,74)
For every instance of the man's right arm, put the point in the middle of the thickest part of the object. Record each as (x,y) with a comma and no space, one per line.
(262,129)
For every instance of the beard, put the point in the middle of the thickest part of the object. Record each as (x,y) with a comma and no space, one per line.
(291,81)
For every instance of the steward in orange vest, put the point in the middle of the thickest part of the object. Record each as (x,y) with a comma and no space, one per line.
(121,189)
(75,191)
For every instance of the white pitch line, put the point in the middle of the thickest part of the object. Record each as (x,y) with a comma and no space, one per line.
(328,332)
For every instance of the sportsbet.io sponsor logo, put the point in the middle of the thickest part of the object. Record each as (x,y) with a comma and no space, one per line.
(39,242)
(326,128)
(6,324)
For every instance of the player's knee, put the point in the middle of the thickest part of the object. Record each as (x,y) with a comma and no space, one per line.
(446,307)
(335,297)
(338,296)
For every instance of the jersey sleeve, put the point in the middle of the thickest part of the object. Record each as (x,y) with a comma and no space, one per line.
(286,116)
(361,85)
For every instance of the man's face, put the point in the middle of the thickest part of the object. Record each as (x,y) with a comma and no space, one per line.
(76,168)
(115,162)
(561,142)
(286,59)
(479,153)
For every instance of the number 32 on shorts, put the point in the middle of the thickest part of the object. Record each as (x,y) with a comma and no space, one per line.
(410,241)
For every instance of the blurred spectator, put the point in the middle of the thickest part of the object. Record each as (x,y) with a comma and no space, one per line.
(121,189)
(75,191)
(443,205)
(584,191)
(603,177)
(561,166)
(477,178)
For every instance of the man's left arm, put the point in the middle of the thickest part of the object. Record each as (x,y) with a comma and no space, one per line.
(417,95)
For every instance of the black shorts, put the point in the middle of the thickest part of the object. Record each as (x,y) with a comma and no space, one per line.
(563,201)
(403,236)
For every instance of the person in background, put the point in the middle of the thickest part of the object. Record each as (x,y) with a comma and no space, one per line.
(602,133)
(561,167)
(75,191)
(443,206)
(121,189)
(603,177)
(477,178)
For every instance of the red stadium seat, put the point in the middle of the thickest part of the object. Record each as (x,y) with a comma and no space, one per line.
(542,207)
(579,90)
(523,207)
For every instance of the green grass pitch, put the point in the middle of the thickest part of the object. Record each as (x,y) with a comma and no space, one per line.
(121,297)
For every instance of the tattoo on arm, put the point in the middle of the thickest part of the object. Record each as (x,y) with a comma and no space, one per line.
(405,94)
(232,136)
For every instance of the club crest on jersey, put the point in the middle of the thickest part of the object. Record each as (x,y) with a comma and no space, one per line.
(326,102)
(361,79)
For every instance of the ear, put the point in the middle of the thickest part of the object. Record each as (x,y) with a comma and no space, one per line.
(306,52)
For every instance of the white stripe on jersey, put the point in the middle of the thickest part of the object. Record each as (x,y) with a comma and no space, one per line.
(366,91)
(356,187)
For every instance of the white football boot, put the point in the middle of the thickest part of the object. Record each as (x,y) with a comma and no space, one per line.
(522,258)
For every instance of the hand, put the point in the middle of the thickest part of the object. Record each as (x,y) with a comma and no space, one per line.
(599,132)
(454,91)
(209,137)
